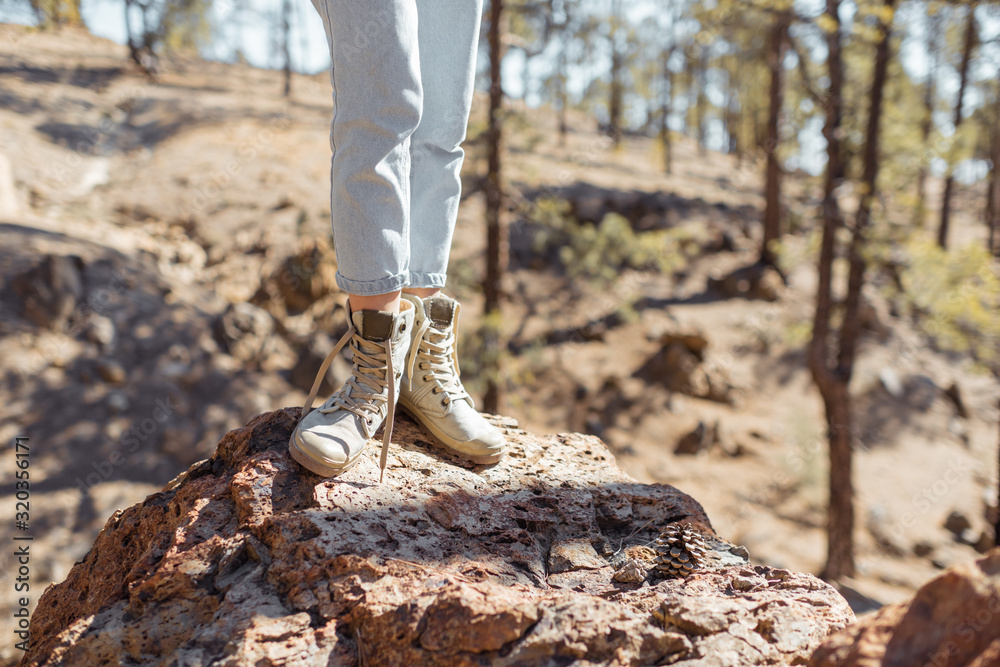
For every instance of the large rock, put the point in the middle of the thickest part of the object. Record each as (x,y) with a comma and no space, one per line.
(52,291)
(246,558)
(679,365)
(952,621)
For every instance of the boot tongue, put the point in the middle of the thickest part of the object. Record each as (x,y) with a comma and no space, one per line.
(440,310)
(373,325)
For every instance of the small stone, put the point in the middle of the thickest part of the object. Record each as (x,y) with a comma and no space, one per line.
(51,291)
(111,371)
(696,441)
(990,505)
(957,427)
(969,537)
(923,548)
(118,402)
(957,523)
(921,391)
(954,393)
(101,330)
(244,331)
(890,380)
(985,543)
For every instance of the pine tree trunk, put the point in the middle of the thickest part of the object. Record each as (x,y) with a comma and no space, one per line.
(840,527)
(772,186)
(691,91)
(615,103)
(667,107)
(286,10)
(840,559)
(133,49)
(496,239)
(992,216)
(732,113)
(701,106)
(949,183)
(563,96)
(993,196)
(927,125)
(819,353)
(832,372)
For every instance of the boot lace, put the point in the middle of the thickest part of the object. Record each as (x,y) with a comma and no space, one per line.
(433,353)
(362,394)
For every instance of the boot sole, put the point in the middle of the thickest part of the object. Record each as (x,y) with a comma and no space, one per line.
(437,440)
(314,466)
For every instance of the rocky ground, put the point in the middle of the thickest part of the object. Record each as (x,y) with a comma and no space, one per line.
(166,276)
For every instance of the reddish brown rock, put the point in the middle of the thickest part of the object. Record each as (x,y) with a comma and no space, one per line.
(246,558)
(952,621)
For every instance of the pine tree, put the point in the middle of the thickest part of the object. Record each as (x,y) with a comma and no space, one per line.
(286,16)
(496,233)
(992,213)
(777,47)
(832,361)
(615,102)
(933,29)
(949,182)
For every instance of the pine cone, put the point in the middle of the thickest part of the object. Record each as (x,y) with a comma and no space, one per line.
(680,550)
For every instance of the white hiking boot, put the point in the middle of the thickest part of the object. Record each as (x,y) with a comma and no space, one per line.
(331,438)
(432,392)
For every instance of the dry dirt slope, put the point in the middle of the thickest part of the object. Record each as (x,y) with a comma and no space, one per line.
(178,196)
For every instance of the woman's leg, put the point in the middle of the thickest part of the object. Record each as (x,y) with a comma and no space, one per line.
(448,34)
(432,392)
(377,102)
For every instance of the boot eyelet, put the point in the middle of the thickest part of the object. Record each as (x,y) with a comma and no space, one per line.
(444,403)
(402,327)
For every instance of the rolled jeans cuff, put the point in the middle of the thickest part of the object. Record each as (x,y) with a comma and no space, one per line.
(372,287)
(426,280)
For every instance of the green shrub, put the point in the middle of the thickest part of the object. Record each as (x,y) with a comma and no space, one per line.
(599,252)
(955,297)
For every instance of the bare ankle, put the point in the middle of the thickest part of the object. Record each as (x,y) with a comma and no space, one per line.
(387,302)
(422,292)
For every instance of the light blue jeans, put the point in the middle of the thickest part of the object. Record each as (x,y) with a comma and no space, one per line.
(402,73)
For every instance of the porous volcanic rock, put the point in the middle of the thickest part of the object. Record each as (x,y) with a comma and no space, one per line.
(952,621)
(248,559)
